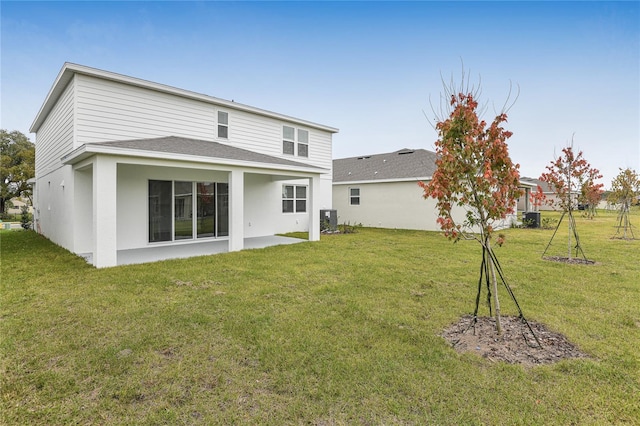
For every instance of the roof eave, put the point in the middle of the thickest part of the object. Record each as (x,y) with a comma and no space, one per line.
(89,150)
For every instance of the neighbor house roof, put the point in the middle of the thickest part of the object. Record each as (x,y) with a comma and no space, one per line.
(535,182)
(69,70)
(179,148)
(403,165)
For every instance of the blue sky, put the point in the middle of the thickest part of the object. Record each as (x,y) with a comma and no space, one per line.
(367,68)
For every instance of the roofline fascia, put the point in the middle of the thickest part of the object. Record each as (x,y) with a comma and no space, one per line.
(361,182)
(70,69)
(89,150)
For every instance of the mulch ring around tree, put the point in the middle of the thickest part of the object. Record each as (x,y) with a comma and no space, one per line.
(573,260)
(515,345)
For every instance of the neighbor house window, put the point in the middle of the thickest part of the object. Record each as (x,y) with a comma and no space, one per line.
(294,199)
(354,196)
(223,124)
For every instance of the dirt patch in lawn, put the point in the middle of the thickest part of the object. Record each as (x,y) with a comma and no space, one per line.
(573,260)
(516,344)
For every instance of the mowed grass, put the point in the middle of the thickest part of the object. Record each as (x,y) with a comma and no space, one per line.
(341,331)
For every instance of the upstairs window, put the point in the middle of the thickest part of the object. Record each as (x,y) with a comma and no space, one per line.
(223,124)
(294,199)
(354,196)
(295,141)
(303,143)
(288,140)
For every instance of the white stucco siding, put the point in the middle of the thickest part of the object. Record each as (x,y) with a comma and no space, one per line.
(54,206)
(386,205)
(109,111)
(55,137)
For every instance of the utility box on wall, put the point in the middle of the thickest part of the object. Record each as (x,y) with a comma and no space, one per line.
(328,220)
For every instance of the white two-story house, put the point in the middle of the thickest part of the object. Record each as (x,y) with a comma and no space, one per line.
(125,165)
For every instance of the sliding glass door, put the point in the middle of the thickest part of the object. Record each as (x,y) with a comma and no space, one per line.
(171,208)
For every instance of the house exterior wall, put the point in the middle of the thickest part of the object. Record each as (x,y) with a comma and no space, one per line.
(398,205)
(53,214)
(110,110)
(88,106)
(386,205)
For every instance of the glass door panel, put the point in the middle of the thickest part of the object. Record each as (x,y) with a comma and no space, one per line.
(206,209)
(222,209)
(183,210)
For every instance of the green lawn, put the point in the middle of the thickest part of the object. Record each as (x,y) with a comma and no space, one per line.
(342,331)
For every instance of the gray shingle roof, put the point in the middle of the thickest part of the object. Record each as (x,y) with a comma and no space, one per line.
(544,185)
(403,164)
(208,149)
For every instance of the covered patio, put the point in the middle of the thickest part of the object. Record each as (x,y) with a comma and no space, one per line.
(200,248)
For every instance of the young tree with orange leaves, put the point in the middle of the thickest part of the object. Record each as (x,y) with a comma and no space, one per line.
(570,176)
(624,189)
(474,173)
(591,192)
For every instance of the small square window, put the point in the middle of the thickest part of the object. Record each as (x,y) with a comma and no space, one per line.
(288,133)
(303,136)
(287,191)
(301,192)
(303,150)
(287,206)
(288,147)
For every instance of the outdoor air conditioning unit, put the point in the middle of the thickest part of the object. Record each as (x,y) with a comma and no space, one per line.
(328,220)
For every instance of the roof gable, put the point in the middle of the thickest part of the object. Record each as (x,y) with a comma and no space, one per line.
(405,164)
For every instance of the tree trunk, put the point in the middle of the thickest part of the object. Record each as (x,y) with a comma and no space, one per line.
(494,282)
(569,241)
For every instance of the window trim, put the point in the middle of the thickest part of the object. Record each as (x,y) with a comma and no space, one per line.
(218,233)
(353,197)
(219,124)
(295,141)
(295,198)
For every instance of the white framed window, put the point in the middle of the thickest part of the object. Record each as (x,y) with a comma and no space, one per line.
(303,143)
(295,141)
(294,198)
(223,125)
(288,140)
(354,196)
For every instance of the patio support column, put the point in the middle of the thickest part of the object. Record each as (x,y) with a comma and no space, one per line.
(236,210)
(314,208)
(104,212)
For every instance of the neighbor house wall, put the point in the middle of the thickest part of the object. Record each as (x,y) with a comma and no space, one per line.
(386,205)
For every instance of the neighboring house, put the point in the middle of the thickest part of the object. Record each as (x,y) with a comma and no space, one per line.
(382,191)
(16,206)
(547,190)
(124,164)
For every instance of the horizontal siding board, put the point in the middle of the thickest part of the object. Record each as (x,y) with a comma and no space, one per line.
(109,111)
(115,111)
(55,137)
